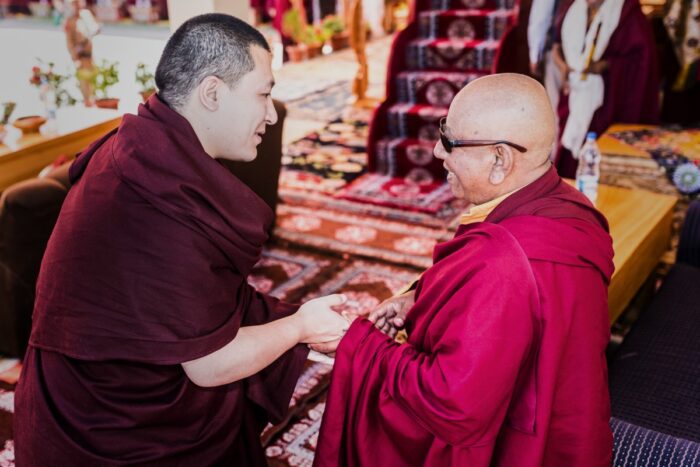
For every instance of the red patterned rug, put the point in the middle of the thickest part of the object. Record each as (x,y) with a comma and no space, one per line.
(327,169)
(404,193)
(296,446)
(366,236)
(9,374)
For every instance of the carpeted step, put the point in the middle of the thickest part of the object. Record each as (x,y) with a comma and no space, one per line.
(415,121)
(409,157)
(473,4)
(465,24)
(452,55)
(431,87)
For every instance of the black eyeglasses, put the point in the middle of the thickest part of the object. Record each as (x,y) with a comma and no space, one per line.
(449,144)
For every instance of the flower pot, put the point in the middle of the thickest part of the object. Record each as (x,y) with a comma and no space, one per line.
(297,52)
(108,103)
(146,94)
(3,132)
(29,124)
(340,40)
(314,50)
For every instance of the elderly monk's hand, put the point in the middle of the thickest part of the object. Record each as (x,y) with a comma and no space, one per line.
(390,316)
(317,322)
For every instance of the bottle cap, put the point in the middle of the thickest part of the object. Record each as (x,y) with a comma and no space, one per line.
(591,135)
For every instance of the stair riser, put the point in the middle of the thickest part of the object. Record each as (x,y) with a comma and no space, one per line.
(436,89)
(403,124)
(413,161)
(452,56)
(473,4)
(455,26)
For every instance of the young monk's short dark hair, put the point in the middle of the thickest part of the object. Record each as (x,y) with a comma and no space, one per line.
(207,45)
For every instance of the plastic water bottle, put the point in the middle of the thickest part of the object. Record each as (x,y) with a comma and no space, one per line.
(588,172)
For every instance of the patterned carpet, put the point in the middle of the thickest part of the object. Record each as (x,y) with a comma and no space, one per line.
(9,374)
(329,202)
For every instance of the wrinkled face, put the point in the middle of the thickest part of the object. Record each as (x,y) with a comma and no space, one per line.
(246,110)
(467,168)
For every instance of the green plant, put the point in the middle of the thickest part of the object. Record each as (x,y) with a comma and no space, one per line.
(333,24)
(145,78)
(106,75)
(293,25)
(45,78)
(313,35)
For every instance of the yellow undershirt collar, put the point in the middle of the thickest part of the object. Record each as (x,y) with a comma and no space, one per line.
(481,211)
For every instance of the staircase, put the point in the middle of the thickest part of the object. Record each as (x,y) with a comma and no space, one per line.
(447,44)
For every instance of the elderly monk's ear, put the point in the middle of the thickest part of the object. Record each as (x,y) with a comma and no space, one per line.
(207,92)
(502,164)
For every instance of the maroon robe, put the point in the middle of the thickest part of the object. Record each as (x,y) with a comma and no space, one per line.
(146,269)
(505,359)
(631,81)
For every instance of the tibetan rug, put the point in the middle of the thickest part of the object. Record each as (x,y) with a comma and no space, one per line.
(408,194)
(9,374)
(360,235)
(290,274)
(327,169)
(365,284)
(325,105)
(296,445)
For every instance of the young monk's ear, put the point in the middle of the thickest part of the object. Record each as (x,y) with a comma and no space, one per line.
(502,164)
(207,93)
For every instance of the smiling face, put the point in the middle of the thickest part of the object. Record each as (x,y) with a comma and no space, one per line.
(501,107)
(244,111)
(467,168)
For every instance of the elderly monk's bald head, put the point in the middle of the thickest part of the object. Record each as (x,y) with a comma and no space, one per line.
(502,107)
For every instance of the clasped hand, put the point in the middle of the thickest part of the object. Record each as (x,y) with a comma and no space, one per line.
(390,316)
(320,326)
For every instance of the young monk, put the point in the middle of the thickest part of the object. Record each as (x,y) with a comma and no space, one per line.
(148,346)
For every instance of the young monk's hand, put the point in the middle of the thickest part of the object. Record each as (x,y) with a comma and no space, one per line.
(318,322)
(390,316)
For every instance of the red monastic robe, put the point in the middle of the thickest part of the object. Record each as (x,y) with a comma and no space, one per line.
(146,269)
(631,81)
(505,359)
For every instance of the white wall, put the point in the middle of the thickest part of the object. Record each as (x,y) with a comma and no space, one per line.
(180,11)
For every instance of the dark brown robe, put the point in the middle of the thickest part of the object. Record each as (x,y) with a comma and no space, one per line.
(146,269)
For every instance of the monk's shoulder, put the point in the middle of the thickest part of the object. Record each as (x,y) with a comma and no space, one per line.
(486,246)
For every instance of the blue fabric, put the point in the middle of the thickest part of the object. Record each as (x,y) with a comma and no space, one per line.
(641,447)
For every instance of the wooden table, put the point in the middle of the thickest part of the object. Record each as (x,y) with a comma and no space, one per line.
(612,146)
(22,157)
(640,226)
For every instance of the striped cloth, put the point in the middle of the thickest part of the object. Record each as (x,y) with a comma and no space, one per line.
(640,447)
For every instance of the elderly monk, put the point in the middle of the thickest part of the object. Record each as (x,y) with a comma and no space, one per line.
(505,358)
(148,346)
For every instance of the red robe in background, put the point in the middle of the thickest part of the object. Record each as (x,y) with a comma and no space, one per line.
(146,268)
(631,81)
(505,359)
